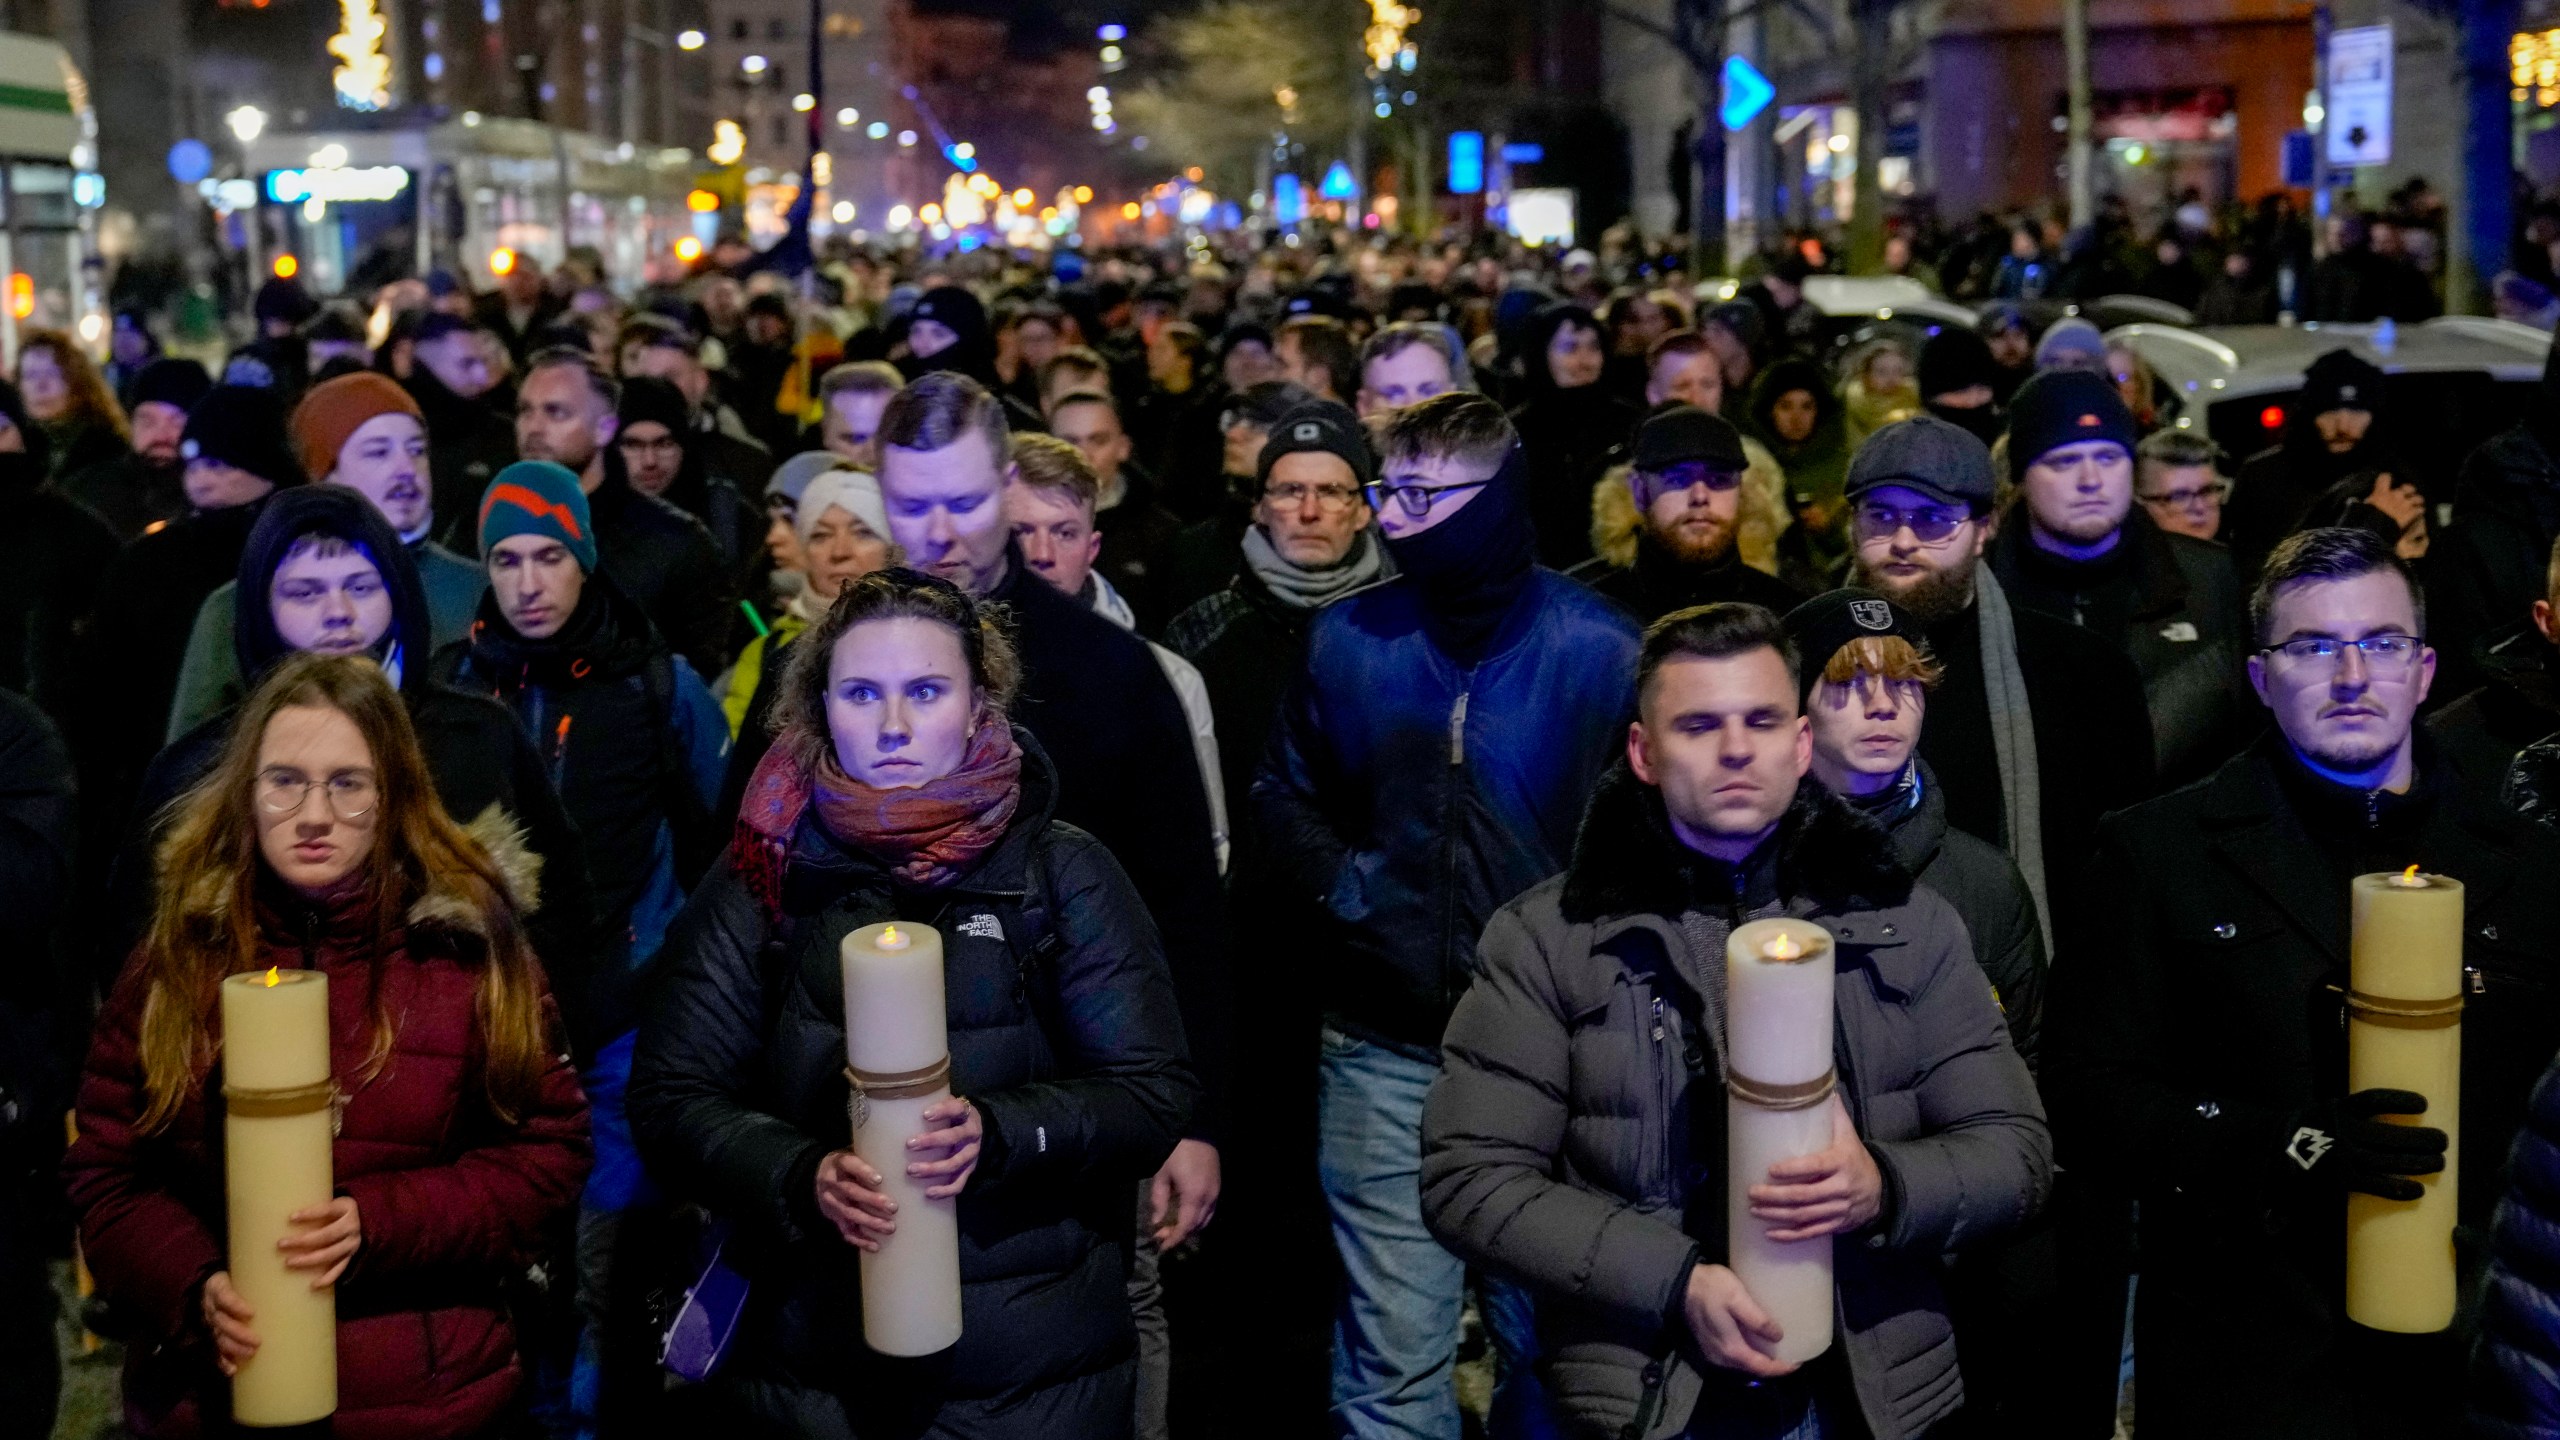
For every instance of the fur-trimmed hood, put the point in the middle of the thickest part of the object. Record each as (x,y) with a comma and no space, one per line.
(1626,861)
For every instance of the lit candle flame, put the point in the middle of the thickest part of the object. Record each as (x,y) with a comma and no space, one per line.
(889,936)
(271,975)
(2409,879)
(1784,947)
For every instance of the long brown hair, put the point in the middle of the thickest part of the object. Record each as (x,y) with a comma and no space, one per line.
(91,400)
(204,924)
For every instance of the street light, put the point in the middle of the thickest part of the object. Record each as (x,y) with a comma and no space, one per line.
(689,39)
(247,123)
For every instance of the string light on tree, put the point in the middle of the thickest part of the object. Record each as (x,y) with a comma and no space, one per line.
(363,78)
(1388,20)
(728,143)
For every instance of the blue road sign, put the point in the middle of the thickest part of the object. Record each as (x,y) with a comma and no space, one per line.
(1338,184)
(190,161)
(1466,162)
(1747,92)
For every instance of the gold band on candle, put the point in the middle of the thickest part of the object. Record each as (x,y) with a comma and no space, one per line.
(1781,1097)
(2405,1014)
(282,1100)
(900,1084)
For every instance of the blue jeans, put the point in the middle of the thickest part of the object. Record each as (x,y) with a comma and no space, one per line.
(1395,1336)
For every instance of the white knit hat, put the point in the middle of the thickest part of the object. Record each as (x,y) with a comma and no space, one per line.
(856,493)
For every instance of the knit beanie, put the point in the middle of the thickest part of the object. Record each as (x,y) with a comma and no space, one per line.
(168,381)
(648,398)
(336,409)
(856,492)
(2065,407)
(792,476)
(1325,427)
(1954,360)
(537,497)
(2072,344)
(242,426)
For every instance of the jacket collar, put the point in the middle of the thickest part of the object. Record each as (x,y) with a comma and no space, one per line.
(1626,861)
(2150,559)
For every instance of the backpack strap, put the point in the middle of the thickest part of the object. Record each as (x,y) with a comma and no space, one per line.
(695,827)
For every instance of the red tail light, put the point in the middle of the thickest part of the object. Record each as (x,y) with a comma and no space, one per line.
(2271,418)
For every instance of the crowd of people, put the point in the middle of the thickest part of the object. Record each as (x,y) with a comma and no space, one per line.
(1334,702)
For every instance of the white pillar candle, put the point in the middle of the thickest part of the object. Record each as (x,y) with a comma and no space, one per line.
(2404,1032)
(898,1050)
(1778,1064)
(276,1159)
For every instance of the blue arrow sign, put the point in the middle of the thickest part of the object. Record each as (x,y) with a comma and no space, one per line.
(1338,184)
(1747,92)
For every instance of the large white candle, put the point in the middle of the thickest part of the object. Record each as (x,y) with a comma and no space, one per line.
(276,1137)
(2404,1032)
(1777,1020)
(899,1052)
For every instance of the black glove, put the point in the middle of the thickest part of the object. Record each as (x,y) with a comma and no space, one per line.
(2341,1142)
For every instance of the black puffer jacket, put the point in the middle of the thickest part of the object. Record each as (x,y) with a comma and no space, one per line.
(664,559)
(2174,606)
(1989,895)
(468,443)
(2516,706)
(1568,436)
(1577,1112)
(2513,1393)
(1064,1034)
(53,552)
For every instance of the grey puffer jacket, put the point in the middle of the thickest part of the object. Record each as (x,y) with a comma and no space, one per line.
(1557,1140)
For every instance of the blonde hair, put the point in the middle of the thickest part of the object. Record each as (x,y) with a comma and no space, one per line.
(1890,658)
(204,923)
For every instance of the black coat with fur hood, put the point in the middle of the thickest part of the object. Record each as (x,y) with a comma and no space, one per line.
(1558,1149)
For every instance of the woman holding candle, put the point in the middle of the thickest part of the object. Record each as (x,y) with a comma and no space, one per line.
(897,790)
(316,845)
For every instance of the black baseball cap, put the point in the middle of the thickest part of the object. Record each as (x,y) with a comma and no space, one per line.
(1682,434)
(1929,455)
(1823,624)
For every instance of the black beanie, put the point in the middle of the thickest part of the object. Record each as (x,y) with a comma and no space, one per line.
(646,397)
(1955,359)
(2065,407)
(1323,426)
(178,382)
(243,426)
(1823,624)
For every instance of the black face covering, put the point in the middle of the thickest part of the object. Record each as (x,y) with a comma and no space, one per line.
(1473,566)
(1982,422)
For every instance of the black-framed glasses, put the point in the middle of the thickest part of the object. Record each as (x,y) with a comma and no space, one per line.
(1687,475)
(1417,500)
(351,796)
(2185,496)
(668,446)
(2389,651)
(1928,524)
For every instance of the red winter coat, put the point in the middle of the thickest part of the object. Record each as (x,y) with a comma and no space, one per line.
(451,1199)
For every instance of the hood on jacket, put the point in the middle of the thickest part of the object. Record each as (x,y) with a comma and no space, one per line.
(342,514)
(974,354)
(1537,381)
(1626,861)
(1830,423)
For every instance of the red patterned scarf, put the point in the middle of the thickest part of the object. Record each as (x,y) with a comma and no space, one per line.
(927,835)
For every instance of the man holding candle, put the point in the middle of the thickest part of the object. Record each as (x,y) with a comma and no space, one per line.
(1575,1141)
(2194,1049)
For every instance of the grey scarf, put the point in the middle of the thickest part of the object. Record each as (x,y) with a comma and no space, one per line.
(2013,738)
(1306,589)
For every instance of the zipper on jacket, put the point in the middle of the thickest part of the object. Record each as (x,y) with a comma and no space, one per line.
(1458,731)
(2475,979)
(1450,815)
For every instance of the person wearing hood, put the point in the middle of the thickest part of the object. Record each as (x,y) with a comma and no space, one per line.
(1959,383)
(1567,426)
(662,458)
(1795,412)
(1431,758)
(468,438)
(2488,567)
(636,747)
(901,790)
(364,432)
(659,557)
(2335,429)
(1686,479)
(2012,338)
(145,486)
(336,579)
(53,555)
(2074,546)
(236,457)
